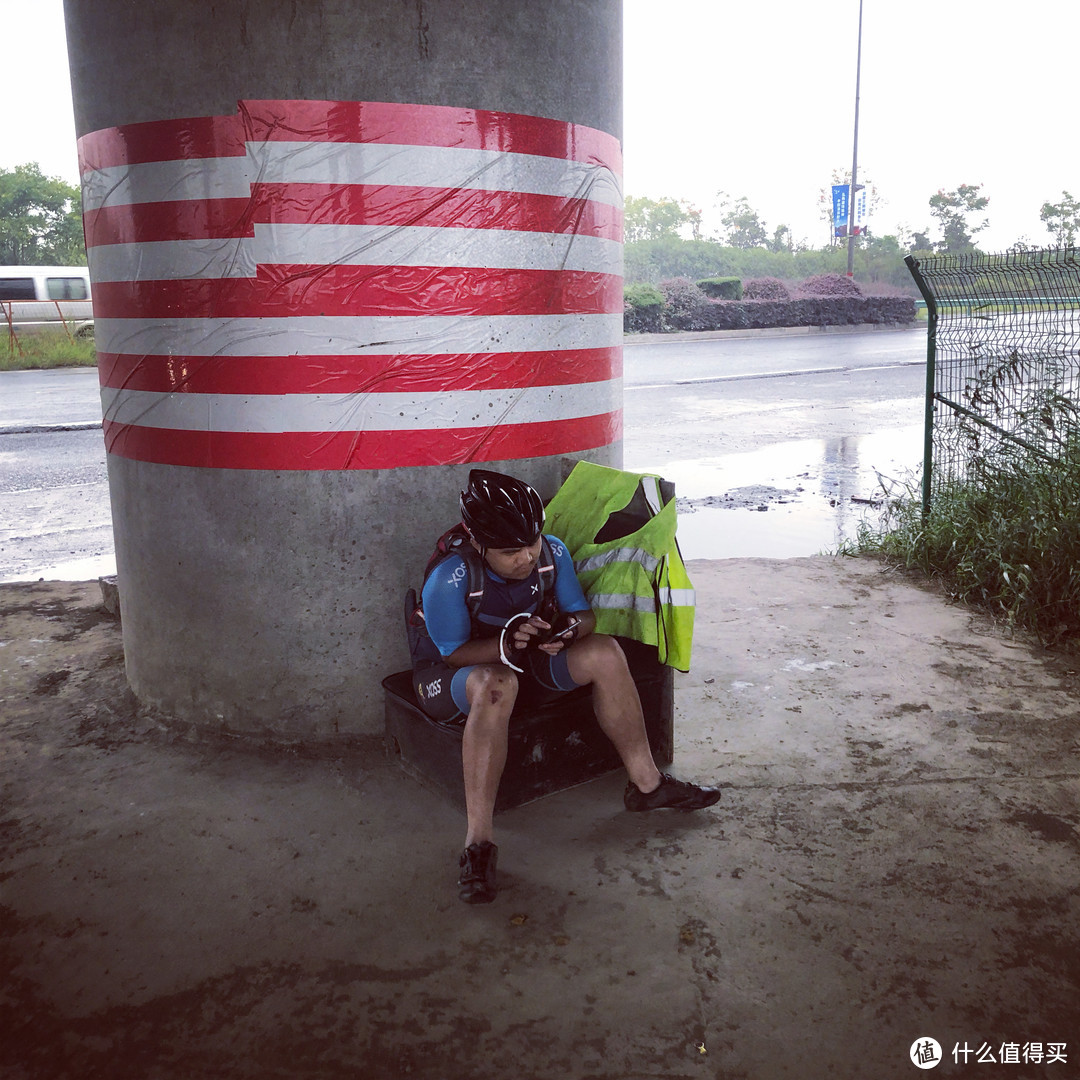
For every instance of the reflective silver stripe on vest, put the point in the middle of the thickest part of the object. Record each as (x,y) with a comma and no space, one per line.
(678,597)
(618,555)
(631,602)
(624,602)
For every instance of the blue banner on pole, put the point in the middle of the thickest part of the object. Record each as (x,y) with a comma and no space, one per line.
(840,197)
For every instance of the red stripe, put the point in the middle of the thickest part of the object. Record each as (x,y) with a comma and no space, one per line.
(292,291)
(163,140)
(347,121)
(189,219)
(357,204)
(428,125)
(356,374)
(360,450)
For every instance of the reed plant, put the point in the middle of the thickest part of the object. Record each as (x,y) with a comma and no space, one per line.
(1007,537)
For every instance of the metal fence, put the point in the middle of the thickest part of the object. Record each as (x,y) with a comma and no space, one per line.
(1003,361)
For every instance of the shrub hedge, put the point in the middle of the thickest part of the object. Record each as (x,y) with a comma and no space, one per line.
(768,288)
(722,288)
(685,307)
(643,309)
(829,285)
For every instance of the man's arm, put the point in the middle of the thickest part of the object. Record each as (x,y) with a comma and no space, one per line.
(588,621)
(479,651)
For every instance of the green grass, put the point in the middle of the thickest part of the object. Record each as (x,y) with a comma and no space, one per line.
(46,351)
(1007,539)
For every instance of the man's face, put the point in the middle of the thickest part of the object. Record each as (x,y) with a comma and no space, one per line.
(512,564)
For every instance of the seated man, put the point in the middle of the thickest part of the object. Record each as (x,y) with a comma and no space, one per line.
(515,651)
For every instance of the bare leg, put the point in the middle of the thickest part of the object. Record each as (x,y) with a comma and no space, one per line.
(598,660)
(492,692)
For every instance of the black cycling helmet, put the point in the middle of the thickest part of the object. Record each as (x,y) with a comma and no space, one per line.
(501,511)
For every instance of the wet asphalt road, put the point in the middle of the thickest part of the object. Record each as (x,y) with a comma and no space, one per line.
(687,362)
(796,426)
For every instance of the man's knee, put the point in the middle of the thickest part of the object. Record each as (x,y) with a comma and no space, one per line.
(492,686)
(598,656)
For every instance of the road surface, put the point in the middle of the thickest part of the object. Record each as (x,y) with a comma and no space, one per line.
(774,445)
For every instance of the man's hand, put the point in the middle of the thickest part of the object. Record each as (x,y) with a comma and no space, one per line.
(536,633)
(532,633)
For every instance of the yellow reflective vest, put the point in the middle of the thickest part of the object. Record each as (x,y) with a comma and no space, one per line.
(620,530)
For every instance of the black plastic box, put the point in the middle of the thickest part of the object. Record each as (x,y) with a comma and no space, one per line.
(552,747)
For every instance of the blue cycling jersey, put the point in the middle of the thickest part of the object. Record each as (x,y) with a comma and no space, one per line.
(447,615)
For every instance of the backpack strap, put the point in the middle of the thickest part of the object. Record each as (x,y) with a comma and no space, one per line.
(548,572)
(545,565)
(474,564)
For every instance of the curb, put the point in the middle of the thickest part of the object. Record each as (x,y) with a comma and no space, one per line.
(774,331)
(45,429)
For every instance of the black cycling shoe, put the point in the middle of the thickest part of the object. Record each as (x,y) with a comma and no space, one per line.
(672,794)
(477,879)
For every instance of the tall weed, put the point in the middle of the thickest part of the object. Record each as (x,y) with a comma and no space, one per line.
(1006,538)
(45,350)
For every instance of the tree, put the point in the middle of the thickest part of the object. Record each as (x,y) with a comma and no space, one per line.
(920,241)
(1062,220)
(744,229)
(40,219)
(781,239)
(883,257)
(651,219)
(953,209)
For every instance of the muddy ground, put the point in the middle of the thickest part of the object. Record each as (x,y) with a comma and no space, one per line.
(896,857)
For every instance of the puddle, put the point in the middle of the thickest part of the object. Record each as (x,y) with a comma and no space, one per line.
(790,499)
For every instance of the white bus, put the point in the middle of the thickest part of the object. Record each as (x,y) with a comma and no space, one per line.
(36,298)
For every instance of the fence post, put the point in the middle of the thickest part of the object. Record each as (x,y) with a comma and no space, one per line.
(60,316)
(14,346)
(931,351)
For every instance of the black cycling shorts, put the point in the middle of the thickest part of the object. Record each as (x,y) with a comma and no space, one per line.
(440,688)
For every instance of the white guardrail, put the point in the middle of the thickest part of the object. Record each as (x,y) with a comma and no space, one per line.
(32,316)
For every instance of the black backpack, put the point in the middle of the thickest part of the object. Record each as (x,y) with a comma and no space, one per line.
(455,541)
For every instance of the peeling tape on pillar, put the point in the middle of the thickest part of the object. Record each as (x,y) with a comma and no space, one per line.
(355,285)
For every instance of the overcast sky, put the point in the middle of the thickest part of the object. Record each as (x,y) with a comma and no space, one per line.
(758,99)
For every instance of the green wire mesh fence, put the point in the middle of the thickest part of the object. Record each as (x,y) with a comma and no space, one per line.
(1003,362)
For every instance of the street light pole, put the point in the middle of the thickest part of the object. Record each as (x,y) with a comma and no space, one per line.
(854,159)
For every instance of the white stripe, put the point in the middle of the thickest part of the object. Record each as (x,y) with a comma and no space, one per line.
(677,597)
(348,163)
(330,335)
(354,245)
(623,602)
(630,602)
(648,562)
(650,488)
(167,181)
(419,245)
(360,412)
(161,260)
(432,166)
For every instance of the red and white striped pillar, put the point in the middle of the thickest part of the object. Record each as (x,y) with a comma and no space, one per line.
(312,317)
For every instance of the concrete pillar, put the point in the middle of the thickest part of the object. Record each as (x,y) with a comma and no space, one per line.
(339,252)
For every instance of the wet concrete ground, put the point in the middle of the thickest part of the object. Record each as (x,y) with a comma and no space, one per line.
(896,859)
